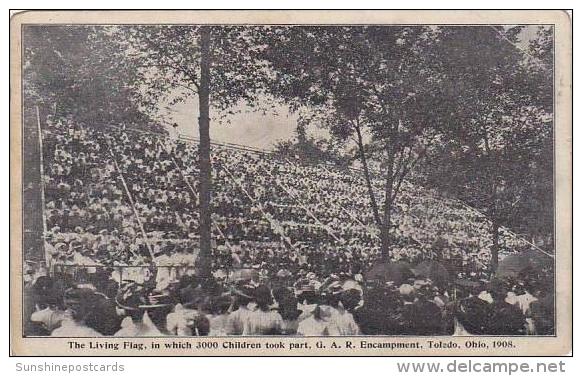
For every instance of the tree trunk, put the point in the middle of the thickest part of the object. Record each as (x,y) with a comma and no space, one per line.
(495,246)
(493,212)
(387,215)
(385,241)
(385,232)
(205,185)
(367,177)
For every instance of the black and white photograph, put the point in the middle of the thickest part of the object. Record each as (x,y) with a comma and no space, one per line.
(240,181)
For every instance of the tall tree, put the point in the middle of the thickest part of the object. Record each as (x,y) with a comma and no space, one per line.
(217,65)
(372,84)
(72,71)
(499,124)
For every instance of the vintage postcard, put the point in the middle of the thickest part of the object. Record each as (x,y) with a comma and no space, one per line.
(314,183)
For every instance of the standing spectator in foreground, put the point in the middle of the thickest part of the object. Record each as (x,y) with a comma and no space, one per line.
(49,313)
(425,316)
(238,318)
(79,305)
(505,319)
(188,318)
(471,314)
(132,300)
(263,320)
(317,316)
(342,318)
(218,315)
(290,314)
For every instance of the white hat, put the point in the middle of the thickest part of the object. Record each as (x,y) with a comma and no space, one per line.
(406,289)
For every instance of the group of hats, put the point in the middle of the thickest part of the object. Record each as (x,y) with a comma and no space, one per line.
(419,284)
(134,296)
(165,249)
(244,289)
(333,285)
(79,295)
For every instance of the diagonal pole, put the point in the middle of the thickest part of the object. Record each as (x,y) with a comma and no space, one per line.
(274,223)
(128,193)
(195,195)
(42,188)
(309,212)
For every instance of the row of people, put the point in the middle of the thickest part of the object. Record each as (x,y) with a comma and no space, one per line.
(336,306)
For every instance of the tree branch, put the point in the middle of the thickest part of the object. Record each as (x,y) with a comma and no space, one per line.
(189,75)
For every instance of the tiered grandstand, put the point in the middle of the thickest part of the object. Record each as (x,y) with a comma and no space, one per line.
(121,197)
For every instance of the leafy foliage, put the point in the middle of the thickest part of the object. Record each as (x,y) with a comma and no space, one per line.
(363,82)
(167,60)
(75,71)
(497,152)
